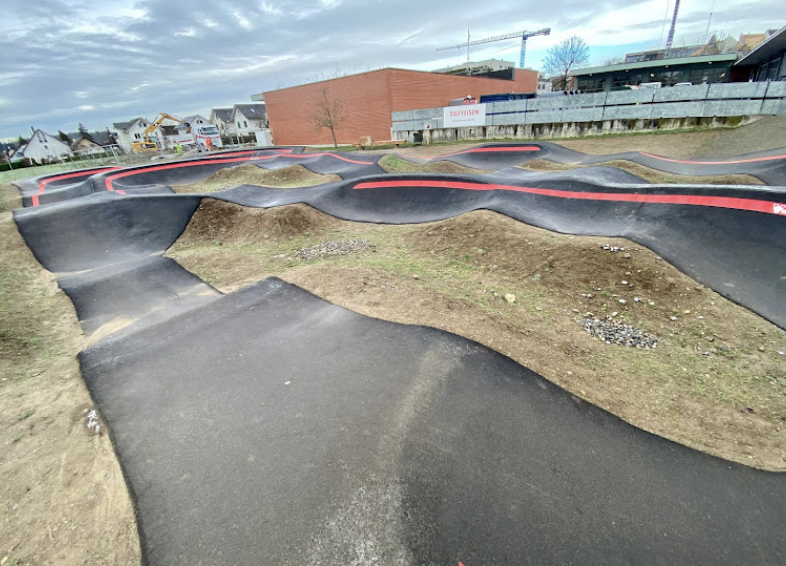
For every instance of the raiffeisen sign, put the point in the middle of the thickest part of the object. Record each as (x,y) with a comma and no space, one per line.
(464,116)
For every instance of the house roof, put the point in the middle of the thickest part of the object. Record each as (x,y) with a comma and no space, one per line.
(125,125)
(223,114)
(251,111)
(190,119)
(79,139)
(726,57)
(769,47)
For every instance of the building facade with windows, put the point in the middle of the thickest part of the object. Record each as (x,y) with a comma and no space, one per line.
(695,70)
(767,62)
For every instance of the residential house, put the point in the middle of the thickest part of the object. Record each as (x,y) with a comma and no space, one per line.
(86,145)
(130,132)
(197,120)
(43,147)
(222,118)
(249,118)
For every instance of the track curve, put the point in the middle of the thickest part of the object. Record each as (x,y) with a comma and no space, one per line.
(358,440)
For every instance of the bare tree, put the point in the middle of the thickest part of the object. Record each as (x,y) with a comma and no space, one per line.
(262,122)
(613,61)
(563,58)
(328,114)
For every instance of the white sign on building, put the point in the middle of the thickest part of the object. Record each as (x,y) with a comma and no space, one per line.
(464,116)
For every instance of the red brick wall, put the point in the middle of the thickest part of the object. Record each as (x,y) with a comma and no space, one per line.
(369,99)
(412,90)
(366,101)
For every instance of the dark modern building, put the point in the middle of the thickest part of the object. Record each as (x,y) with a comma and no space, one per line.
(767,62)
(695,70)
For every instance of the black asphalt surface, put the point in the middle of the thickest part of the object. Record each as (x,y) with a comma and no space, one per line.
(271,427)
(768,166)
(267,426)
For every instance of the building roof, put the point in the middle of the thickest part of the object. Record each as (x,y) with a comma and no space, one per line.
(726,57)
(478,64)
(190,119)
(125,125)
(223,114)
(251,111)
(79,139)
(769,47)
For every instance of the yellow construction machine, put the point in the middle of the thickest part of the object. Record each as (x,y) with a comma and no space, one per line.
(149,144)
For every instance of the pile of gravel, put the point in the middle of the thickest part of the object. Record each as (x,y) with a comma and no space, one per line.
(622,334)
(341,247)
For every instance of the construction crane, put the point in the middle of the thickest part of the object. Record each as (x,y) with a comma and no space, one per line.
(522,34)
(670,39)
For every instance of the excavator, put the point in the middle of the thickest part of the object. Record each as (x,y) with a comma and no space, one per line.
(203,137)
(148,144)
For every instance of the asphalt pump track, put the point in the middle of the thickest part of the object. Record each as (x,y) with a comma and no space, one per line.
(269,426)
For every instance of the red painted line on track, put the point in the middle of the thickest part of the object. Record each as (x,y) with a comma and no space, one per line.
(731,162)
(111,178)
(44,182)
(768,207)
(308,155)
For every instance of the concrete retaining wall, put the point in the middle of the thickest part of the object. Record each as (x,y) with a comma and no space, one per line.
(637,110)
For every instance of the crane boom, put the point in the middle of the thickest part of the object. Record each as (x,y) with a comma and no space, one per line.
(522,34)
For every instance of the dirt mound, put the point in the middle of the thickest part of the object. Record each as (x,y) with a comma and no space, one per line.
(223,222)
(648,174)
(493,241)
(249,174)
(709,383)
(394,164)
(764,133)
(759,135)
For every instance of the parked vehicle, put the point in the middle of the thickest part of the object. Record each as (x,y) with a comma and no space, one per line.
(200,134)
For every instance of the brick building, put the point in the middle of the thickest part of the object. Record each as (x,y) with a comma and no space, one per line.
(370,98)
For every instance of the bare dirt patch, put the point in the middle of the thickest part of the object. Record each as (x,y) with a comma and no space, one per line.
(649,175)
(10,198)
(393,164)
(716,381)
(248,174)
(62,493)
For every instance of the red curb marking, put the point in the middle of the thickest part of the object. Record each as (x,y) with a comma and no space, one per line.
(110,179)
(308,155)
(751,160)
(766,206)
(44,182)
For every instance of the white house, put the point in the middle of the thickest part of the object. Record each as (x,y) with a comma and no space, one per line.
(43,147)
(197,120)
(222,118)
(130,132)
(249,118)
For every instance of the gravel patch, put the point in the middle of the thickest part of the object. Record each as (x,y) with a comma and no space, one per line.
(622,334)
(341,247)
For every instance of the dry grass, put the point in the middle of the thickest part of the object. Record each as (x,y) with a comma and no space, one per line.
(63,497)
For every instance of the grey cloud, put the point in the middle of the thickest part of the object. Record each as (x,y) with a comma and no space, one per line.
(286,42)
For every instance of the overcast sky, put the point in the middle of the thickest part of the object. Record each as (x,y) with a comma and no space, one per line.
(97,61)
